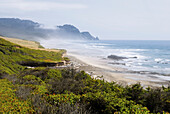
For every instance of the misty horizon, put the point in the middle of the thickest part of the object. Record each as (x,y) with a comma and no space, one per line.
(111,20)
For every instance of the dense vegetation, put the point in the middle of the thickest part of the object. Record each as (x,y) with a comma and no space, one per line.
(12,56)
(65,91)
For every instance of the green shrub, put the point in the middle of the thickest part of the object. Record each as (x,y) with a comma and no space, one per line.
(157,100)
(135,92)
(9,102)
(53,73)
(109,103)
(31,79)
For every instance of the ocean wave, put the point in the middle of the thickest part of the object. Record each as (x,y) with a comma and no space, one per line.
(158,59)
(139,59)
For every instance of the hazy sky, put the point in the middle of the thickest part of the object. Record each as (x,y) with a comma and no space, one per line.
(108,19)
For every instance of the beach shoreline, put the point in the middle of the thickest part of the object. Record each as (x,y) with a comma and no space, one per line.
(111,74)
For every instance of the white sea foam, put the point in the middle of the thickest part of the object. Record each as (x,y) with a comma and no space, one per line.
(155,66)
(167,60)
(140,64)
(167,69)
(158,59)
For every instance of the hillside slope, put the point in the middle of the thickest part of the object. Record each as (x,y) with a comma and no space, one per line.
(13,56)
(29,44)
(67,91)
(24,43)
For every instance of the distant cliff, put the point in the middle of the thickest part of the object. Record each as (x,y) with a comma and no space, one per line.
(24,29)
(71,32)
(29,30)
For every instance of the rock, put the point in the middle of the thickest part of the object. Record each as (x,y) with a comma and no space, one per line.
(117,63)
(134,57)
(116,57)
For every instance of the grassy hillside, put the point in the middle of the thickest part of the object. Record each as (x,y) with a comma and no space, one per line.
(65,91)
(28,44)
(24,43)
(13,55)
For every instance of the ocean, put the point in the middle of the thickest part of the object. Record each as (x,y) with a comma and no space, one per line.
(142,57)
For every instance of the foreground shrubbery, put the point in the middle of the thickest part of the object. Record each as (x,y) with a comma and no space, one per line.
(69,91)
(9,101)
(65,91)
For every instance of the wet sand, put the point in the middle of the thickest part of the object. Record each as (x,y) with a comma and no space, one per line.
(97,69)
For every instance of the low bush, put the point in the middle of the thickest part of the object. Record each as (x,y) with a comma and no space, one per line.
(9,101)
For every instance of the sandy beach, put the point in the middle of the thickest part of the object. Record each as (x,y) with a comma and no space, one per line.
(117,74)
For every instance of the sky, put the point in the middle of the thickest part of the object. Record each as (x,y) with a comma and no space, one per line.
(107,19)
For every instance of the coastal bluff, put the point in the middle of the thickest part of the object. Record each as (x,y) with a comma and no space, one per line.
(36,46)
(51,90)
